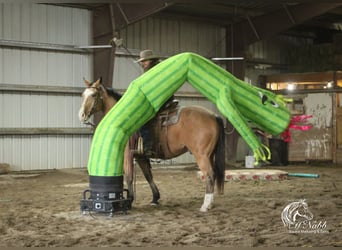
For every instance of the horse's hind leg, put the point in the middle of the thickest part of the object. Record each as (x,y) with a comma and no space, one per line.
(145,166)
(205,165)
(128,171)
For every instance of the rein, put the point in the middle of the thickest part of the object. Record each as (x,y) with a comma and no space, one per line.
(91,124)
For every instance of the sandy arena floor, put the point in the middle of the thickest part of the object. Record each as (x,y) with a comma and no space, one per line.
(42,209)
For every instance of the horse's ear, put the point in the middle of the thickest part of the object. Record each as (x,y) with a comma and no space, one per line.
(98,82)
(87,83)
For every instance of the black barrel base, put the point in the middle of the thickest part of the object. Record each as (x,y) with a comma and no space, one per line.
(106,196)
(105,206)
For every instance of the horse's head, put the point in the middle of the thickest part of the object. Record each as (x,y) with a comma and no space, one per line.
(91,100)
(296,211)
(303,210)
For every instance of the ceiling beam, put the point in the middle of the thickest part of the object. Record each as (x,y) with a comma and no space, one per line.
(262,27)
(103,33)
(211,9)
(126,14)
(253,29)
(316,24)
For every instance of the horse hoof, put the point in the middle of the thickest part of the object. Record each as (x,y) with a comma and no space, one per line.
(154,204)
(203,209)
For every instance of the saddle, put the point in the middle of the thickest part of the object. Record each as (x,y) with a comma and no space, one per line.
(151,140)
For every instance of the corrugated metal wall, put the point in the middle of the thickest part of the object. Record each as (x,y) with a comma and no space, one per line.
(167,37)
(30,73)
(33,68)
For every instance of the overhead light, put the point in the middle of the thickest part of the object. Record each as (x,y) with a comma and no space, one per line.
(291,86)
(337,26)
(330,84)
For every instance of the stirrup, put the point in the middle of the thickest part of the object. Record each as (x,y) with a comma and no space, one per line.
(140,147)
(170,105)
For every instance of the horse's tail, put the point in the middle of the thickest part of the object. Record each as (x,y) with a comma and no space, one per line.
(219,157)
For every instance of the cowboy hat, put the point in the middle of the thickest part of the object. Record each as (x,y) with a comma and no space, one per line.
(147,55)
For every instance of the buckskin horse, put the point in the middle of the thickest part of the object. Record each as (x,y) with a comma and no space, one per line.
(176,130)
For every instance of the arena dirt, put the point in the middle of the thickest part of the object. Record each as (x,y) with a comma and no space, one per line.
(42,209)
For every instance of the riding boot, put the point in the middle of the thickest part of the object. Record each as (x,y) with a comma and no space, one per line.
(146,134)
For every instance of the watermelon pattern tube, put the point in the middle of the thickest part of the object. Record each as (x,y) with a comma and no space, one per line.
(237,100)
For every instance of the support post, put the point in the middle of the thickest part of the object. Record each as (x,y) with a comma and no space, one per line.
(103,59)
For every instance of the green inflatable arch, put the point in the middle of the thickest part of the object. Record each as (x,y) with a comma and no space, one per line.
(238,101)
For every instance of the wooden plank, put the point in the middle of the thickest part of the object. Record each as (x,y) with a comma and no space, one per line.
(314,144)
(306,91)
(302,77)
(339,126)
(46,131)
(317,142)
(41,46)
(40,88)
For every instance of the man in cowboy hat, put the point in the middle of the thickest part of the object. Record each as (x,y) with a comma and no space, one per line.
(148,59)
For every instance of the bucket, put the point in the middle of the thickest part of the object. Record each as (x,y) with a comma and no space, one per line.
(279,152)
(249,161)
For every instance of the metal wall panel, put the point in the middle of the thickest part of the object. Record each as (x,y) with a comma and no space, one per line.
(35,152)
(21,66)
(172,36)
(43,25)
(125,71)
(167,37)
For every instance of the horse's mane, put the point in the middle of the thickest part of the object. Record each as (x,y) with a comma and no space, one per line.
(113,93)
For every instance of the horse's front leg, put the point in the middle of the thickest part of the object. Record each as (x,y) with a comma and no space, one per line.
(145,166)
